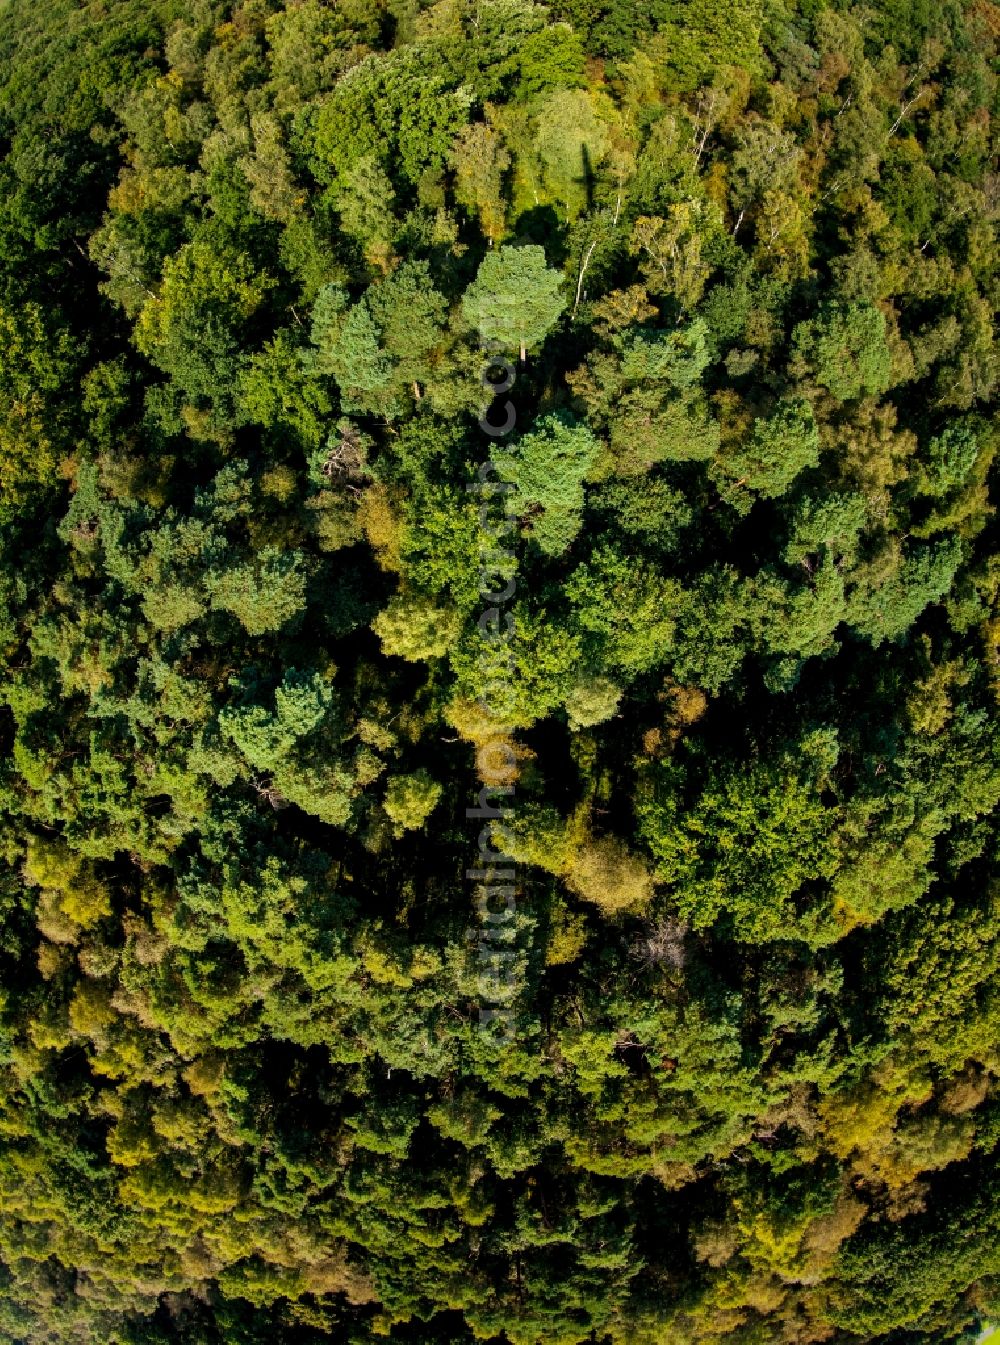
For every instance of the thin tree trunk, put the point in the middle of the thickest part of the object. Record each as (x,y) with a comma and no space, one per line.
(583,271)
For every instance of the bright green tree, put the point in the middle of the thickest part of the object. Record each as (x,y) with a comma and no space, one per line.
(515,299)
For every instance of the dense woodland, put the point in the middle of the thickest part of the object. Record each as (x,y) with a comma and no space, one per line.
(742,256)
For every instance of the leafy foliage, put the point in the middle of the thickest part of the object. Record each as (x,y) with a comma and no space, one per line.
(498,849)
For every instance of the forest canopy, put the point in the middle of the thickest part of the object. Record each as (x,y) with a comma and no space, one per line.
(559,439)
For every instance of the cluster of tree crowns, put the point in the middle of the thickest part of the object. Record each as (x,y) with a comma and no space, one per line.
(247,256)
